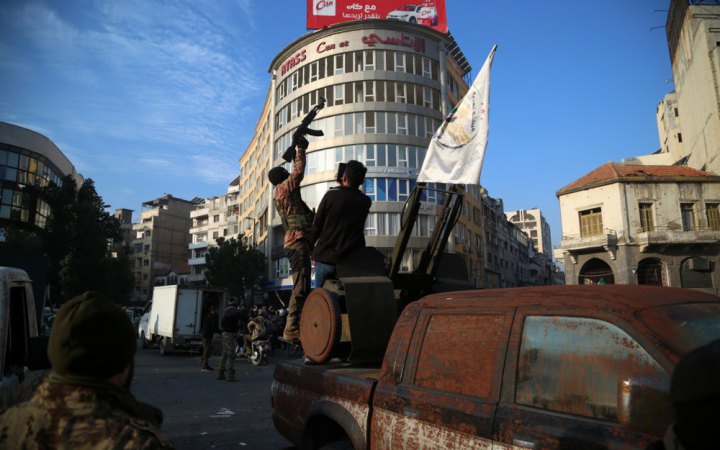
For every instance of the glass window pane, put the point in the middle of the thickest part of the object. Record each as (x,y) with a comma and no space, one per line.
(381,150)
(392,155)
(381,189)
(12,159)
(348,124)
(576,365)
(391,123)
(392,190)
(381,116)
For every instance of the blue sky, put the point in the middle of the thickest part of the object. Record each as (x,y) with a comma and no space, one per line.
(149,97)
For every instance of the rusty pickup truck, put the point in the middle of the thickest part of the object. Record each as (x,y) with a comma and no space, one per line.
(570,367)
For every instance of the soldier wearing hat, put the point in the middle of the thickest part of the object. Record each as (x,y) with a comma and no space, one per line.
(86,400)
(297,221)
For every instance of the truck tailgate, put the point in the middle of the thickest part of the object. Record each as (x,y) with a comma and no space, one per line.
(301,392)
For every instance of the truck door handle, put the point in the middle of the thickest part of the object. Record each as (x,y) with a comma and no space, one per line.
(524,443)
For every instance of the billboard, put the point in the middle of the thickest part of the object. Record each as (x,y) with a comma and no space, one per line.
(431,13)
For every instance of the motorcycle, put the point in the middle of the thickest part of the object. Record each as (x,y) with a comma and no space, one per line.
(258,351)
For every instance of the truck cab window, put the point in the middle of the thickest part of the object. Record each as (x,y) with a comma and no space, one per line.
(576,365)
(451,360)
(16,346)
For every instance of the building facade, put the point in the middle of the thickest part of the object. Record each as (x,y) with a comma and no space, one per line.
(29,162)
(161,240)
(388,86)
(212,219)
(692,37)
(533,223)
(639,224)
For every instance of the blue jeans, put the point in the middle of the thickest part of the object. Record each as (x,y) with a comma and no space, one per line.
(323,272)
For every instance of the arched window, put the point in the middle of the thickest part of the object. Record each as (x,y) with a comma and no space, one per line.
(596,271)
(651,271)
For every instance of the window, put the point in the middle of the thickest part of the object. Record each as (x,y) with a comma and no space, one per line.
(339,94)
(450,359)
(591,222)
(426,67)
(647,222)
(369,60)
(575,365)
(400,94)
(687,215)
(215,234)
(216,218)
(339,64)
(712,211)
(400,62)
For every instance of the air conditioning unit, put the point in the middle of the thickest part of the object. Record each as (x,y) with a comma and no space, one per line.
(699,264)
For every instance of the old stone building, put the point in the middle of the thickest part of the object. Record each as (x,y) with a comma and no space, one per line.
(642,224)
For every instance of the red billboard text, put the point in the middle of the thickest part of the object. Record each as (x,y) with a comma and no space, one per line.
(323,13)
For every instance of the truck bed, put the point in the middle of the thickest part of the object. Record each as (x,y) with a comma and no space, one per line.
(341,390)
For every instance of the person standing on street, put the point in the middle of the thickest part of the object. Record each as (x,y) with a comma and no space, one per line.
(297,221)
(209,328)
(340,222)
(230,324)
(86,401)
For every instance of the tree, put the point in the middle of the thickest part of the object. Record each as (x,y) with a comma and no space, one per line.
(234,265)
(77,239)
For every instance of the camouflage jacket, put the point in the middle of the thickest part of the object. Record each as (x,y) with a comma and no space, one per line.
(87,416)
(287,198)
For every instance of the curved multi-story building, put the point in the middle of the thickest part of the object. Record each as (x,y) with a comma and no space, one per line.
(388,85)
(29,161)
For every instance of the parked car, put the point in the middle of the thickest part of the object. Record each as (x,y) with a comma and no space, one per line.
(537,368)
(425,14)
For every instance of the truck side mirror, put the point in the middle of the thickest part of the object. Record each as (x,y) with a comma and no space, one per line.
(37,358)
(644,403)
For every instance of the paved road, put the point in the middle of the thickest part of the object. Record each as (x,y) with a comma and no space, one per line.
(189,397)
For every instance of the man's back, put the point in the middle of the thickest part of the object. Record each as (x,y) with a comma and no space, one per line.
(340,223)
(67,416)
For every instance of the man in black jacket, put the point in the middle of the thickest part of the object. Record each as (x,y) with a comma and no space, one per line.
(209,328)
(340,222)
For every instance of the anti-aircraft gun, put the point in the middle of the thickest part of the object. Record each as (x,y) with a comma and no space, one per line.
(353,317)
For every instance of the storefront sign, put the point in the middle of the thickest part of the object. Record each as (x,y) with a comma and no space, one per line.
(293,61)
(430,13)
(402,40)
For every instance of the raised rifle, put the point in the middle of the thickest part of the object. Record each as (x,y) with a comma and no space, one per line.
(303,130)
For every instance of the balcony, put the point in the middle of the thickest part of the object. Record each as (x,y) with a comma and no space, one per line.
(662,238)
(200,228)
(576,243)
(196,245)
(596,241)
(197,261)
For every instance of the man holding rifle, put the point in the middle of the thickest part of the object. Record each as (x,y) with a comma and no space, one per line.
(297,221)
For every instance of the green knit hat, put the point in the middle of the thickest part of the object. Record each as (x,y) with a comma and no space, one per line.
(92,337)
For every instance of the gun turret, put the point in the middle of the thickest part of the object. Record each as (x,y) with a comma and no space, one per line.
(303,130)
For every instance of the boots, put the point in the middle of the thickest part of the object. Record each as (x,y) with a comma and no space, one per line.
(221,375)
(231,376)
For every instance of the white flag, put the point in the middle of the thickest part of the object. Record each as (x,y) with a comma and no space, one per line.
(457,149)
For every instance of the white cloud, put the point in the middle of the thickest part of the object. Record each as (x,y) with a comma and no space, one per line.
(169,76)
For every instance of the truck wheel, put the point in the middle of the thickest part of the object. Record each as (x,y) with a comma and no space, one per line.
(165,346)
(320,325)
(143,341)
(413,20)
